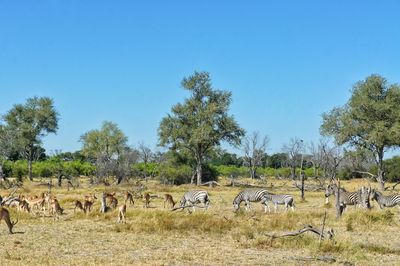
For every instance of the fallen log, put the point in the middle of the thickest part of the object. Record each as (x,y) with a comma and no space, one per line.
(307,228)
(211,184)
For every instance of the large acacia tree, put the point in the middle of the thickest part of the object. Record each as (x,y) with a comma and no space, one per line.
(201,122)
(370,120)
(30,122)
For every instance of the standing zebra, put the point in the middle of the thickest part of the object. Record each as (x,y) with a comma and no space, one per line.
(359,197)
(278,199)
(195,196)
(248,195)
(385,201)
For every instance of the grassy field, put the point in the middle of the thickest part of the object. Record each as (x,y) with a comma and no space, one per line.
(157,236)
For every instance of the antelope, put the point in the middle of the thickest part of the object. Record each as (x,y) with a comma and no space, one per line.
(146,198)
(4,214)
(88,203)
(23,205)
(121,214)
(113,202)
(129,198)
(78,205)
(35,202)
(56,209)
(168,199)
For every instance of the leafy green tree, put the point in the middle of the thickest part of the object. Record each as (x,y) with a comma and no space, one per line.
(201,122)
(30,122)
(108,141)
(277,160)
(370,120)
(105,147)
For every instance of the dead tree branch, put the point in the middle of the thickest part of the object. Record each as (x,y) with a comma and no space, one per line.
(307,228)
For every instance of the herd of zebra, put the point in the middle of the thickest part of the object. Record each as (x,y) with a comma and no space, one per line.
(361,197)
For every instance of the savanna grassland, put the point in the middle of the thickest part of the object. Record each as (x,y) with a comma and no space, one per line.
(158,236)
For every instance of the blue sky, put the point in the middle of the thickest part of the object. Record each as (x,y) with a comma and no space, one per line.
(286,62)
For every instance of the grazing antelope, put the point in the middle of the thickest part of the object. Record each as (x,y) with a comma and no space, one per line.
(111,200)
(35,203)
(56,209)
(78,205)
(4,214)
(146,198)
(88,203)
(121,214)
(129,198)
(168,199)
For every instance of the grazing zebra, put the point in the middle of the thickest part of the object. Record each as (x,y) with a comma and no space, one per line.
(278,199)
(248,195)
(385,201)
(359,197)
(195,196)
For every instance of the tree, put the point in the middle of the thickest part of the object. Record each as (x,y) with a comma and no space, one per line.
(7,146)
(277,160)
(104,147)
(201,122)
(30,122)
(254,148)
(294,150)
(369,120)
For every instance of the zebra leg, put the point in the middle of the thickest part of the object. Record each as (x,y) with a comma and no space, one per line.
(276,207)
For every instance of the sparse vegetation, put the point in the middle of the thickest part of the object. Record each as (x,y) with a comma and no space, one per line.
(155,235)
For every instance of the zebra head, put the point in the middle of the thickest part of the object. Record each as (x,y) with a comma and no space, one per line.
(375,195)
(182,202)
(330,190)
(236,203)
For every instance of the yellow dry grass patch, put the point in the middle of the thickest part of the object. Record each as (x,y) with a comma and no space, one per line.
(157,236)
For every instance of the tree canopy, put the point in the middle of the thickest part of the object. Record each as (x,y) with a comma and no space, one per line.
(370,119)
(201,122)
(30,122)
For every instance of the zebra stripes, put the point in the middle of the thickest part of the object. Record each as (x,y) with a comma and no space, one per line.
(248,195)
(385,201)
(195,196)
(359,197)
(278,199)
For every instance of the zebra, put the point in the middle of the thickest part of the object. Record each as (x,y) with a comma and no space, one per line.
(248,195)
(359,197)
(385,201)
(278,199)
(195,196)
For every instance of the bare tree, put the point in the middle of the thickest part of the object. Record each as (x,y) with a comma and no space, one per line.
(254,147)
(146,156)
(294,150)
(333,160)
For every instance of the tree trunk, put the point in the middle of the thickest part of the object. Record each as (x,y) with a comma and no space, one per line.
(381,173)
(2,175)
(30,169)
(293,172)
(302,186)
(337,203)
(199,171)
(103,207)
(253,172)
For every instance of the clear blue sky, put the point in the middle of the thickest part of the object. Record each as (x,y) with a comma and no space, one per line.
(286,62)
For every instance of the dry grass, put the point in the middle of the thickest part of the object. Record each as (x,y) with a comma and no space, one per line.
(157,236)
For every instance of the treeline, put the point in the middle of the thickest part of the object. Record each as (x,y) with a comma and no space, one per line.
(178,173)
(354,139)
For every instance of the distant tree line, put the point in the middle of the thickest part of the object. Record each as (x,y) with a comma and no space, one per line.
(190,140)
